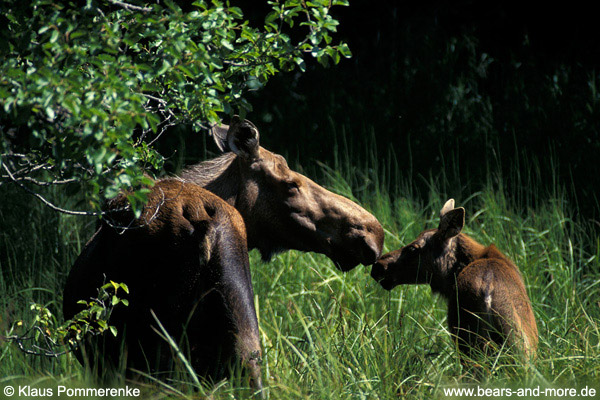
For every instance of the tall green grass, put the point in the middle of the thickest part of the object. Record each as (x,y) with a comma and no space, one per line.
(329,335)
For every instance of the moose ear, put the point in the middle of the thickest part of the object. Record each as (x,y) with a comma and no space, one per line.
(447,207)
(243,138)
(451,222)
(219,134)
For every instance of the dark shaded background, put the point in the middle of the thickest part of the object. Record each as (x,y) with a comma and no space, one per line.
(464,86)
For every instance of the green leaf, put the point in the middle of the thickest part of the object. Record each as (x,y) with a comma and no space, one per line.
(50,112)
(225,43)
(272,16)
(236,12)
(124,287)
(53,36)
(345,50)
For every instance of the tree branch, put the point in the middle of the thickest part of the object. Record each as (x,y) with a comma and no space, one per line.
(39,183)
(129,7)
(34,349)
(46,202)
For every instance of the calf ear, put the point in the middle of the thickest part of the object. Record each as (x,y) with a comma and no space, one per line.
(243,138)
(452,222)
(449,206)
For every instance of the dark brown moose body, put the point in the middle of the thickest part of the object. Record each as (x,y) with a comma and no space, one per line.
(487,300)
(186,258)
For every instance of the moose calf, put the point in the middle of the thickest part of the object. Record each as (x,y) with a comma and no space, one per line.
(486,296)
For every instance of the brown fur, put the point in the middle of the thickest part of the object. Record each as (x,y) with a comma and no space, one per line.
(487,300)
(284,209)
(186,257)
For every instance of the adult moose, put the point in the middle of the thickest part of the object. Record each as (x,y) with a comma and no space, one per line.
(186,257)
(487,300)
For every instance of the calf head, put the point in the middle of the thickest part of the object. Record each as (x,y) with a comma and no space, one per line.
(428,258)
(284,209)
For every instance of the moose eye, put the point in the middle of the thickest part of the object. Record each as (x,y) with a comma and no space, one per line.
(292,186)
(410,249)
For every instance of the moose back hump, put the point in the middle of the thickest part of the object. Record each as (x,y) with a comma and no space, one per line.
(186,260)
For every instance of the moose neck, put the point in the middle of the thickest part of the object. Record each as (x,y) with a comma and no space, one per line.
(461,251)
(220,176)
(467,250)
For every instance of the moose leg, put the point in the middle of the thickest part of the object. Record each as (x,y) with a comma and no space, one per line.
(227,301)
(238,298)
(466,329)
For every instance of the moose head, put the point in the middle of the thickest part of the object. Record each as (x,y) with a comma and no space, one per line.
(283,209)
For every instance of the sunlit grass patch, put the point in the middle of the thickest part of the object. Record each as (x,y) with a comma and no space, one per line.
(330,335)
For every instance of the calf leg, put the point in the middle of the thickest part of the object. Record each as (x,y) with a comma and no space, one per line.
(474,330)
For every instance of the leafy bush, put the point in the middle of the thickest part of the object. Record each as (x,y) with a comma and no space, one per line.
(86,90)
(45,337)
